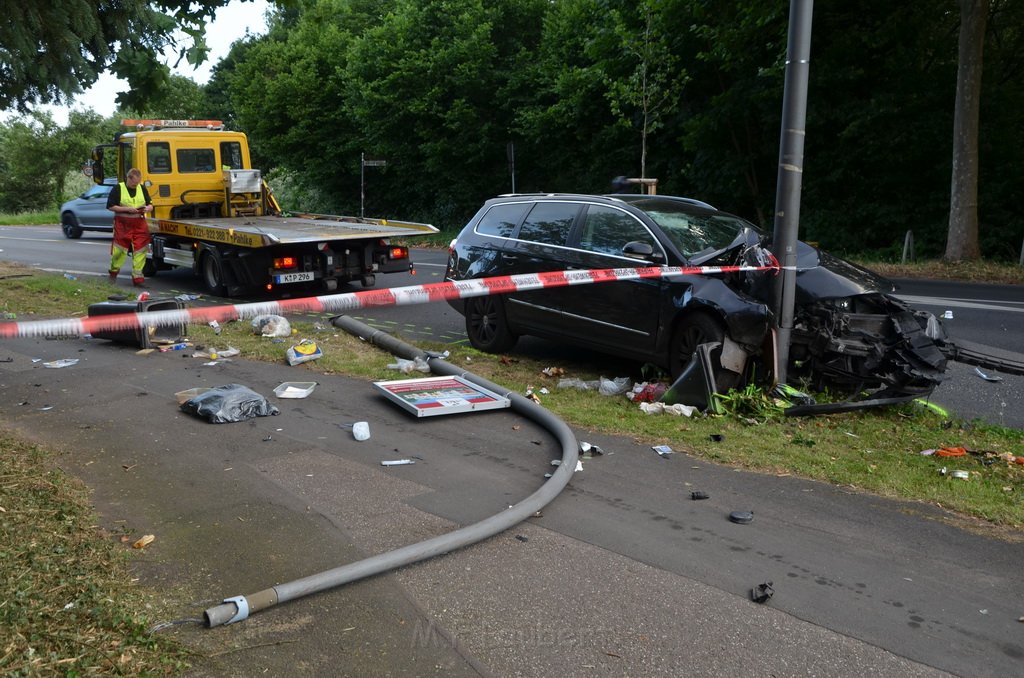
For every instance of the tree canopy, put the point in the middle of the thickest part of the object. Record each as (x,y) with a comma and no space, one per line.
(581,91)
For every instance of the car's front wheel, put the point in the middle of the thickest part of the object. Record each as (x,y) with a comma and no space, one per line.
(486,325)
(69,224)
(692,331)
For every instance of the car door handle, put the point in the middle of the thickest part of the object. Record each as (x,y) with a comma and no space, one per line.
(509,258)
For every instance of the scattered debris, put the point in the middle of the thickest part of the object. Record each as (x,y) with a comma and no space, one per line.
(741,517)
(229,403)
(716,437)
(762,592)
(180,346)
(417,364)
(271,326)
(579,384)
(589,451)
(398,462)
(677,410)
(962,475)
(361,430)
(144,541)
(951,452)
(64,362)
(697,495)
(303,352)
(295,389)
(663,450)
(215,326)
(553,371)
(948,315)
(522,538)
(987,377)
(646,392)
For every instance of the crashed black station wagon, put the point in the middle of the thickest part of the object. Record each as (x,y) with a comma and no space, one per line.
(848,331)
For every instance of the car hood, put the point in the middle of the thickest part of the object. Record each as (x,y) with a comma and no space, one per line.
(821,275)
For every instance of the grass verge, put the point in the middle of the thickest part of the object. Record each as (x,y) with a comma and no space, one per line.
(969,271)
(30,218)
(68,605)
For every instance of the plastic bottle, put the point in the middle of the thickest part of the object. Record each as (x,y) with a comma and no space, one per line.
(360,430)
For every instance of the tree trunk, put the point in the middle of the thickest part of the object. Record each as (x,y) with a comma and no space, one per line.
(962,241)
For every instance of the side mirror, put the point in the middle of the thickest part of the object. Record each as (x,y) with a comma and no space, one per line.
(641,250)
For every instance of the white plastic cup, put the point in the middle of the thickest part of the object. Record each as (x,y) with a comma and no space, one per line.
(360,430)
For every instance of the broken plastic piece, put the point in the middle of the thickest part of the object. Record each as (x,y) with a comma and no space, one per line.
(962,475)
(295,389)
(663,450)
(698,495)
(398,462)
(404,366)
(741,517)
(64,362)
(143,541)
(987,377)
(762,592)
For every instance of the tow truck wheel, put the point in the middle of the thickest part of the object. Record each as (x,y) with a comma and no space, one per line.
(213,274)
(369,280)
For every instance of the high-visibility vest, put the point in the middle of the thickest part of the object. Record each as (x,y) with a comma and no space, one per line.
(139,200)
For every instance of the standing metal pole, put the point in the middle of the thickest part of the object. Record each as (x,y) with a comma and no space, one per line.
(790,175)
(362,185)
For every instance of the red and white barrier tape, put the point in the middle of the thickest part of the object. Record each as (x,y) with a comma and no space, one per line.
(340,303)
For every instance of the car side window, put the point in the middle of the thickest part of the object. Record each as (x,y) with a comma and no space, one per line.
(501,220)
(195,160)
(549,222)
(97,192)
(606,230)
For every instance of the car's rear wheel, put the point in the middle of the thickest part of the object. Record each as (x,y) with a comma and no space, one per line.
(692,331)
(486,325)
(69,224)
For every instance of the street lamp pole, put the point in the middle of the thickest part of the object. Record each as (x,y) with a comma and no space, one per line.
(790,174)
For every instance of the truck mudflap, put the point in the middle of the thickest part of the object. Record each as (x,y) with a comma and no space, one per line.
(980,355)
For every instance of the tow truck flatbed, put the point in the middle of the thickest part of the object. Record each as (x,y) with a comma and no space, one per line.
(262,231)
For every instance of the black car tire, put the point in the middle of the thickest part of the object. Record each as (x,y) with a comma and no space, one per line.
(486,325)
(69,224)
(691,331)
(212,272)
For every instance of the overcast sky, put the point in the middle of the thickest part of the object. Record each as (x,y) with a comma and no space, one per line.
(229,24)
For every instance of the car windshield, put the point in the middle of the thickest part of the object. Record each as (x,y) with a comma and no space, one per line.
(692,230)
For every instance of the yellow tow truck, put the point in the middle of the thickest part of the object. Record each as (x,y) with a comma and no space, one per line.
(215,214)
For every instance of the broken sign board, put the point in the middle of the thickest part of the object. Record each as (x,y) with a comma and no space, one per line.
(432,396)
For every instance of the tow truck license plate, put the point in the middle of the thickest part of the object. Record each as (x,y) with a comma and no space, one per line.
(293,277)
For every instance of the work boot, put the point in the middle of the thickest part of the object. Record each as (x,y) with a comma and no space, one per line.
(139,282)
(113,276)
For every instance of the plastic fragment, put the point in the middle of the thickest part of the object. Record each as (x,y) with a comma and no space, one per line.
(398,462)
(144,541)
(64,362)
(762,592)
(741,517)
(987,377)
(404,366)
(663,450)
(962,475)
(271,326)
(697,495)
